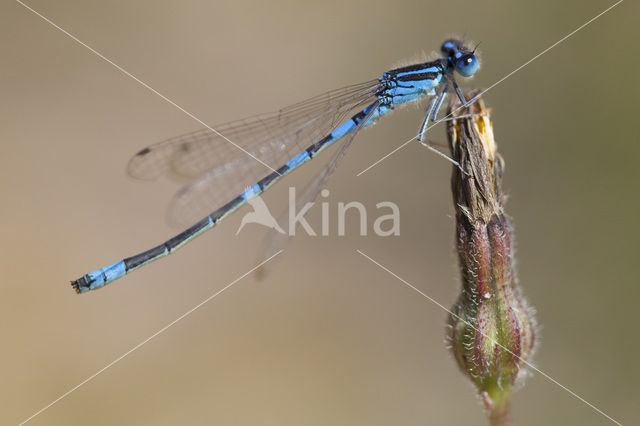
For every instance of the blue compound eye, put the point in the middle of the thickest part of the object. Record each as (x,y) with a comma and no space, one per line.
(467,64)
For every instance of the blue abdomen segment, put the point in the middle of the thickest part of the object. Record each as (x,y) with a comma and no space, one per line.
(101,277)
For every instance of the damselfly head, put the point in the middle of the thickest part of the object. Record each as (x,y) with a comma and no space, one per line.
(463,59)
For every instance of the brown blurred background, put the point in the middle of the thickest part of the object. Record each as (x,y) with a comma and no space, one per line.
(327,338)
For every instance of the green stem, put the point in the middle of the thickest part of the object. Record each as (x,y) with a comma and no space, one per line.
(499,413)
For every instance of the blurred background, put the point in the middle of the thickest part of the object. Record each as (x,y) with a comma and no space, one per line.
(327,337)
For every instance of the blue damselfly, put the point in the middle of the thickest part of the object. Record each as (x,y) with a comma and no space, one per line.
(225,177)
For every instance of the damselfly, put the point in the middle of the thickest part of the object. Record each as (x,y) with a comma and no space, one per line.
(227,173)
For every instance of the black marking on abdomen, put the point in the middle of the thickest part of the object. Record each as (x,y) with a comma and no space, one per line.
(215,216)
(139,259)
(316,146)
(311,150)
(357,118)
(180,238)
(144,151)
(266,181)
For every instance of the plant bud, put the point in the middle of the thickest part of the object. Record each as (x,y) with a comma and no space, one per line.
(491,329)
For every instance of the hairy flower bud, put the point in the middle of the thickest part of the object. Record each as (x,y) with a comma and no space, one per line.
(491,328)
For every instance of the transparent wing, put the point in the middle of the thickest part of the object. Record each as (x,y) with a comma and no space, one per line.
(221,171)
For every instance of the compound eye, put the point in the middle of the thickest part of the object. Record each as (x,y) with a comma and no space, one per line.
(467,65)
